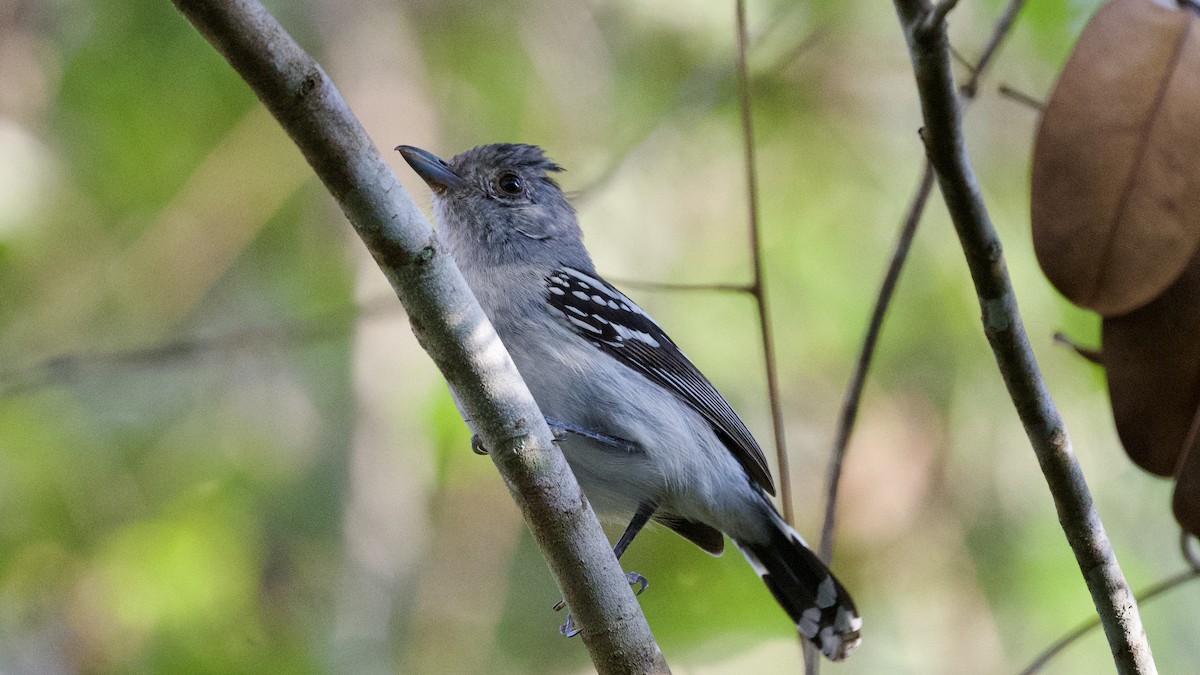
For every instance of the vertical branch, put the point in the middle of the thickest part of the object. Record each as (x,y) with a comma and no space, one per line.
(758,283)
(925,32)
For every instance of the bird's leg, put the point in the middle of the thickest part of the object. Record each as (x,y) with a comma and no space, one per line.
(561,430)
(640,517)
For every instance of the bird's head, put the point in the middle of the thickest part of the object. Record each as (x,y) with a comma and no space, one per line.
(497,205)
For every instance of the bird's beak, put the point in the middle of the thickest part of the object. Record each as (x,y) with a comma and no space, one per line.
(433,169)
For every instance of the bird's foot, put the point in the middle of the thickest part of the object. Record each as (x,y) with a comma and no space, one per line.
(569,629)
(477,445)
(638,580)
(564,430)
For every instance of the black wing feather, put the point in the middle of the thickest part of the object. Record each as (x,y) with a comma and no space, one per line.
(611,321)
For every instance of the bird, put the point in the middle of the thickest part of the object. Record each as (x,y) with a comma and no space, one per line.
(647,436)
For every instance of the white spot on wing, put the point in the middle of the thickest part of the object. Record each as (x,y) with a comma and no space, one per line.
(584,325)
(628,333)
(599,286)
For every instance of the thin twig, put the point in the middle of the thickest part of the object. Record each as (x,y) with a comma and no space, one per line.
(1021,97)
(851,400)
(682,286)
(67,367)
(1091,624)
(853,396)
(1095,356)
(316,328)
(962,60)
(758,285)
(1144,597)
(1004,329)
(702,90)
(1000,31)
(806,43)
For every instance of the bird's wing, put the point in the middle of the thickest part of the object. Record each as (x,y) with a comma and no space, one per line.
(615,324)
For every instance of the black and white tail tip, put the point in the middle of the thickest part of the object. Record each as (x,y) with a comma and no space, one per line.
(832,624)
(816,602)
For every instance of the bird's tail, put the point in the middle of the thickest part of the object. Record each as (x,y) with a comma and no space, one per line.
(816,602)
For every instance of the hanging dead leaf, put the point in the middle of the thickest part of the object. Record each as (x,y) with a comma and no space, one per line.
(1116,165)
(1186,502)
(1152,357)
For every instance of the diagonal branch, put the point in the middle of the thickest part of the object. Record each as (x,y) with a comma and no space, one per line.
(858,379)
(447,321)
(946,150)
(1161,588)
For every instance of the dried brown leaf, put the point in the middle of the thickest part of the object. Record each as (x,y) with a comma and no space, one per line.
(1116,166)
(1152,358)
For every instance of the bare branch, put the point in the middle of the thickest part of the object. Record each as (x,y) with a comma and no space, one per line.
(999,31)
(858,378)
(686,286)
(66,368)
(1088,626)
(945,147)
(758,285)
(447,321)
(1021,97)
(702,90)
(1093,355)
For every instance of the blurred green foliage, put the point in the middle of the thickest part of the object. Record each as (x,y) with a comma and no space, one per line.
(221,449)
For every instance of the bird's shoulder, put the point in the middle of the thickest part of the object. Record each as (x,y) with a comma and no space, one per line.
(597,309)
(604,316)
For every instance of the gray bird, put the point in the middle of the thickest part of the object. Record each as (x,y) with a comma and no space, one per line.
(646,434)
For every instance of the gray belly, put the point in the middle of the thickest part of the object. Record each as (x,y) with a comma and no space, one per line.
(615,480)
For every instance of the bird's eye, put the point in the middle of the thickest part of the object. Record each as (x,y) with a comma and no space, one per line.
(510,184)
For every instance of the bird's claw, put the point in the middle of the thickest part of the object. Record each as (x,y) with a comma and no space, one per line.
(557,432)
(638,580)
(569,629)
(477,445)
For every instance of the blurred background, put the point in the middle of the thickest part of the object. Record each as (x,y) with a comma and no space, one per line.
(221,449)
